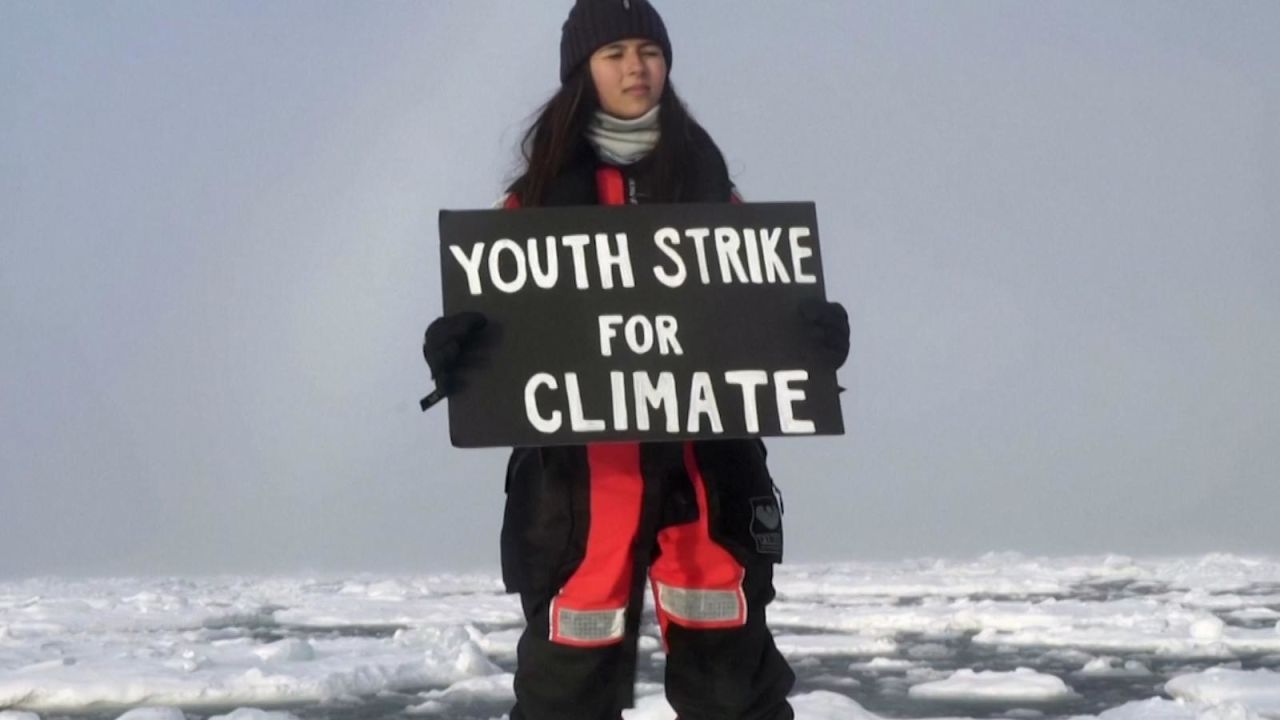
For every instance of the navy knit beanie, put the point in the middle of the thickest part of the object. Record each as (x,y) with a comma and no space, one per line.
(592,24)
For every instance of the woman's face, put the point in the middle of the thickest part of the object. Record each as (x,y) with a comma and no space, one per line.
(629,76)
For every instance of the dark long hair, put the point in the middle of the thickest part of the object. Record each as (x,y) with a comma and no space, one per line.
(557,138)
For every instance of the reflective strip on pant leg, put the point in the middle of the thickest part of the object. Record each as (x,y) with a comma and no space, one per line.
(590,608)
(697,583)
(586,627)
(702,606)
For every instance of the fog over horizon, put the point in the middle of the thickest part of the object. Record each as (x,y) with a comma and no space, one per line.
(1056,227)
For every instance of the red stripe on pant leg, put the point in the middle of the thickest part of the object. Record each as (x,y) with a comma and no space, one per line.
(603,579)
(691,560)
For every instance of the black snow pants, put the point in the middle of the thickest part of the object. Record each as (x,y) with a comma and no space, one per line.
(583,528)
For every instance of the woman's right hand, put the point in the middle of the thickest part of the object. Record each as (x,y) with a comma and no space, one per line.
(445,343)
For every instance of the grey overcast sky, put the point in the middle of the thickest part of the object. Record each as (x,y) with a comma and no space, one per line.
(1055,224)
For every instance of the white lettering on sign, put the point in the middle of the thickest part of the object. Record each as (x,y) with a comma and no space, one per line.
(641,334)
(666,239)
(799,253)
(699,236)
(470,265)
(618,384)
(515,284)
(729,250)
(748,380)
(544,277)
(662,395)
(746,256)
(577,419)
(539,422)
(743,256)
(608,331)
(775,270)
(702,401)
(753,255)
(611,260)
(787,397)
(639,395)
(667,342)
(578,245)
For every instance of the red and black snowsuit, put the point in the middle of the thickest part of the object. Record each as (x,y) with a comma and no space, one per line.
(583,523)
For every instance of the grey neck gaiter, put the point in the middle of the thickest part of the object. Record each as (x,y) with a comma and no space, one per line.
(622,142)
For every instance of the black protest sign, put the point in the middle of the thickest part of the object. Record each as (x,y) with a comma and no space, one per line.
(637,323)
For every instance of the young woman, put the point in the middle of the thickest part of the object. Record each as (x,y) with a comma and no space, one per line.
(583,525)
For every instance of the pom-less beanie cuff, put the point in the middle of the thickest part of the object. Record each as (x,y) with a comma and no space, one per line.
(592,24)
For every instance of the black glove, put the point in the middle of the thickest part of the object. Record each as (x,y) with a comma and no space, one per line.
(828,325)
(443,347)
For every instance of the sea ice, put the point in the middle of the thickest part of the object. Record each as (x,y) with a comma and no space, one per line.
(493,688)
(250,713)
(650,706)
(286,651)
(1255,613)
(823,705)
(1021,685)
(826,645)
(835,680)
(928,651)
(817,705)
(1151,709)
(499,644)
(1259,690)
(1207,629)
(1107,666)
(154,713)
(68,645)
(110,670)
(884,664)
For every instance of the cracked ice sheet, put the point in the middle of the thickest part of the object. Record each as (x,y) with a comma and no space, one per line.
(1021,685)
(450,600)
(818,705)
(994,573)
(825,705)
(1258,690)
(44,606)
(125,637)
(1131,623)
(1162,709)
(1167,623)
(798,646)
(1165,630)
(1017,575)
(491,688)
(238,672)
(74,645)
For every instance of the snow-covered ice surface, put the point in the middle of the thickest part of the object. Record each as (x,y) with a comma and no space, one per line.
(1004,635)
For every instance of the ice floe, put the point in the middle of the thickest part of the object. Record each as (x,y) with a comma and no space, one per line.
(1107,666)
(153,713)
(440,643)
(827,644)
(251,713)
(1021,685)
(1259,690)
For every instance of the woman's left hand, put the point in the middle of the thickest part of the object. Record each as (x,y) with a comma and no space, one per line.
(828,325)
